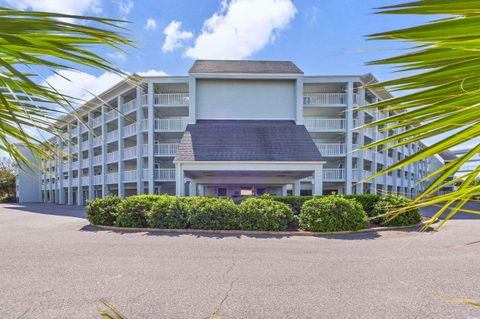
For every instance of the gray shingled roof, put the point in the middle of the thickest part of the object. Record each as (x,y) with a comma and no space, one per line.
(247,140)
(448,155)
(244,66)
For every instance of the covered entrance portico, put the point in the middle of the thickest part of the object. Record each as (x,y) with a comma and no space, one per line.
(244,178)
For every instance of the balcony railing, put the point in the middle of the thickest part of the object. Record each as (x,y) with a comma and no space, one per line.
(164,174)
(130,106)
(112,136)
(75,181)
(333,174)
(111,115)
(325,99)
(112,178)
(130,129)
(168,99)
(97,160)
(130,152)
(97,179)
(170,125)
(75,165)
(130,176)
(85,162)
(112,157)
(85,180)
(165,149)
(331,149)
(96,121)
(84,145)
(323,124)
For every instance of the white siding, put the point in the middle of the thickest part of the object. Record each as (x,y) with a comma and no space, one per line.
(245,99)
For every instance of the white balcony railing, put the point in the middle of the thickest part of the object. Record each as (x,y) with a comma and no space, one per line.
(145,150)
(111,115)
(84,145)
(85,180)
(130,129)
(112,178)
(75,181)
(130,176)
(97,141)
(333,174)
(130,106)
(130,152)
(325,99)
(331,149)
(380,158)
(322,124)
(96,121)
(85,163)
(97,160)
(112,136)
(97,179)
(165,149)
(112,157)
(168,99)
(75,165)
(171,125)
(164,174)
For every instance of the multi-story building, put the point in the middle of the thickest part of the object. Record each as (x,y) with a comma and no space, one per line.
(227,128)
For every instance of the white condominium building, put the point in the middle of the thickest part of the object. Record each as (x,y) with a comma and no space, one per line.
(228,128)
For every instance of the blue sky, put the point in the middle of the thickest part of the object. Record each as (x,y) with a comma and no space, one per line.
(320,36)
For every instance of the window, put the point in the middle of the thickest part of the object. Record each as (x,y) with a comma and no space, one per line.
(260,191)
(246,192)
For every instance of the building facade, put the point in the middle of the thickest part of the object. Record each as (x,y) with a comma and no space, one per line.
(229,128)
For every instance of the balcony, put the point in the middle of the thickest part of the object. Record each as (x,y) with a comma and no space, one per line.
(168,99)
(130,129)
(112,157)
(112,136)
(97,160)
(325,99)
(96,121)
(112,178)
(130,153)
(130,176)
(97,179)
(97,141)
(130,106)
(165,149)
(111,115)
(333,174)
(84,145)
(331,149)
(85,163)
(75,165)
(171,125)
(75,181)
(85,180)
(164,174)
(314,124)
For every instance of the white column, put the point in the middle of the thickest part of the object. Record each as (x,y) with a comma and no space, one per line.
(121,164)
(51,177)
(299,96)
(395,172)
(179,180)
(61,191)
(349,139)
(192,89)
(297,187)
(139,101)
(79,170)
(70,174)
(104,109)
(193,188)
(284,190)
(201,190)
(361,136)
(151,159)
(317,181)
(90,157)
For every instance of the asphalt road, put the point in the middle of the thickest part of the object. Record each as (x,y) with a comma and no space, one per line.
(52,265)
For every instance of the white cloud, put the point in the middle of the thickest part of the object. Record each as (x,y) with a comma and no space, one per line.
(64,6)
(125,6)
(241,28)
(174,37)
(152,73)
(80,84)
(118,56)
(151,24)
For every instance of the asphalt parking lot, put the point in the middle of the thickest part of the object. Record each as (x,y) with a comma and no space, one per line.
(54,265)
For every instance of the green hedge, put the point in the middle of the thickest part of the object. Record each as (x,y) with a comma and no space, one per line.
(264,213)
(212,213)
(367,201)
(103,211)
(391,203)
(133,210)
(332,213)
(295,202)
(168,212)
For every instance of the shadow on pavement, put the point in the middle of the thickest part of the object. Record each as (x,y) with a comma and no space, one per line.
(48,209)
(432,210)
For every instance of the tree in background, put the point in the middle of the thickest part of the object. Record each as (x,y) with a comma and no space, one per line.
(443,94)
(7,179)
(32,43)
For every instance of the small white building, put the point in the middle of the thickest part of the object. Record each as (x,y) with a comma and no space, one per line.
(229,128)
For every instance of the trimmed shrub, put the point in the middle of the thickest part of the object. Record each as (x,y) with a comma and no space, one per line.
(389,204)
(134,209)
(168,212)
(263,213)
(332,213)
(367,201)
(212,213)
(103,211)
(295,202)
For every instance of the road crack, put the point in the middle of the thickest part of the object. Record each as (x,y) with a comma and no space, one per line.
(218,308)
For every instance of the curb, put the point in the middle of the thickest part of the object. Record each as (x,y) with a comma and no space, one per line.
(253,232)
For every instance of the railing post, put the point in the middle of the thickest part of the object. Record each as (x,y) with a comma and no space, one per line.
(349,138)
(151,159)
(139,100)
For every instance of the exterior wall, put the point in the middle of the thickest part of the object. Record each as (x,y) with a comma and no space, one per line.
(245,99)
(133,154)
(28,180)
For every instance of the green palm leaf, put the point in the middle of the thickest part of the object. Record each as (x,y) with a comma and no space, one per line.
(32,43)
(445,82)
